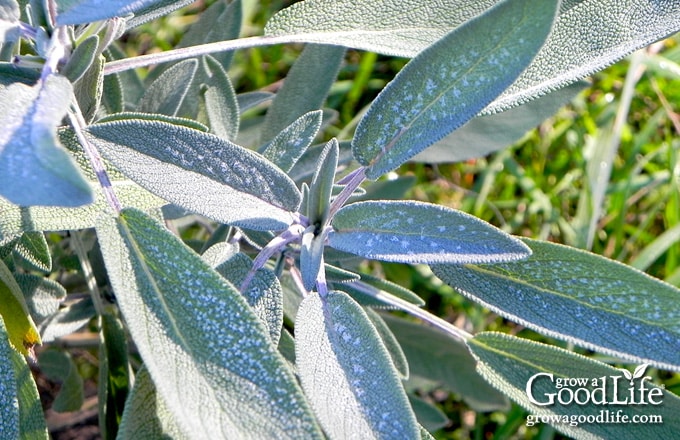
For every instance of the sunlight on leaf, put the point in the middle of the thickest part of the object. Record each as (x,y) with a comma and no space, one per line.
(582,298)
(417,232)
(199,338)
(448,83)
(359,394)
(509,363)
(34,167)
(21,329)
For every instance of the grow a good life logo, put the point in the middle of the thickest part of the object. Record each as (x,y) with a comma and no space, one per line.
(571,399)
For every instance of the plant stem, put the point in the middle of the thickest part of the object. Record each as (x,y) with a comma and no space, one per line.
(194,51)
(351,182)
(79,125)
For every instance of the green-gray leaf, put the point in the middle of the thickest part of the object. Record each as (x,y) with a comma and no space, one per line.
(43,295)
(509,362)
(86,11)
(292,142)
(9,404)
(485,134)
(396,27)
(33,251)
(582,298)
(451,81)
(264,292)
(166,94)
(200,172)
(9,21)
(347,373)
(417,232)
(210,357)
(34,168)
(146,414)
(221,21)
(219,97)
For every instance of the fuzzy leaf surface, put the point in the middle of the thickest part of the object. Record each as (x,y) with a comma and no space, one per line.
(34,167)
(417,232)
(200,172)
(347,372)
(292,142)
(166,94)
(485,134)
(401,28)
(9,21)
(451,81)
(146,414)
(264,292)
(582,298)
(86,11)
(220,102)
(508,363)
(204,347)
(587,36)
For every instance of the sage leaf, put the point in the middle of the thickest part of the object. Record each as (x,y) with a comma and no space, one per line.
(509,363)
(220,102)
(321,188)
(58,366)
(166,94)
(34,168)
(198,337)
(359,394)
(86,11)
(451,81)
(390,341)
(146,414)
(305,88)
(81,59)
(417,232)
(20,328)
(485,134)
(435,357)
(200,172)
(21,414)
(67,320)
(579,297)
(290,144)
(155,9)
(264,294)
(401,28)
(43,296)
(33,251)
(311,256)
(9,21)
